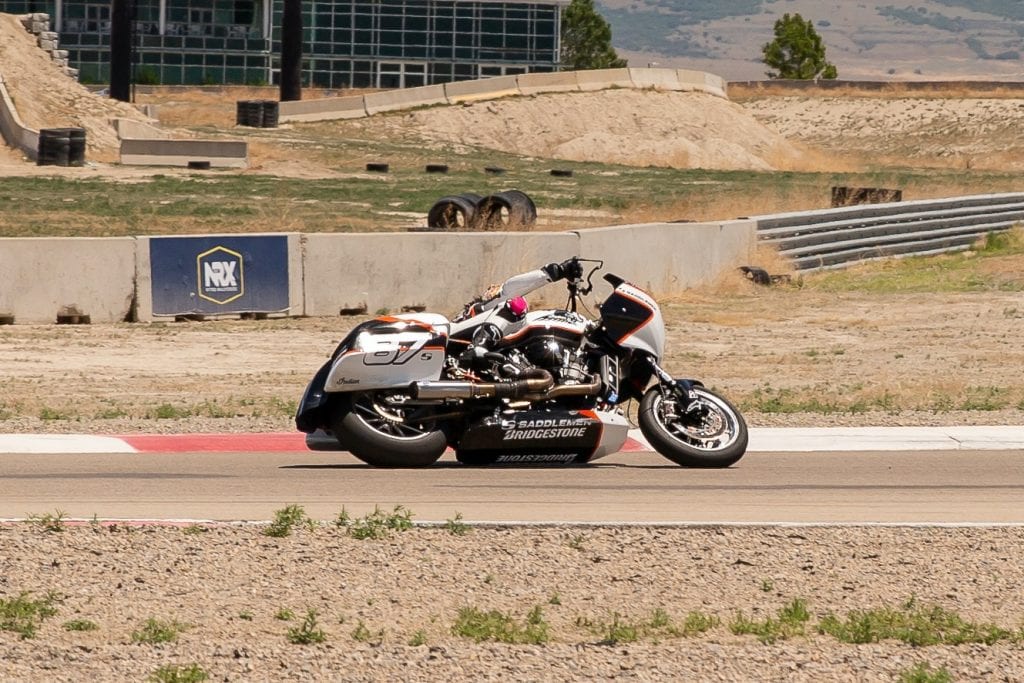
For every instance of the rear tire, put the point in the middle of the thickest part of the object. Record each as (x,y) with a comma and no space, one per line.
(709,433)
(378,430)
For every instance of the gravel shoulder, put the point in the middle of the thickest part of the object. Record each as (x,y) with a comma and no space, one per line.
(229,585)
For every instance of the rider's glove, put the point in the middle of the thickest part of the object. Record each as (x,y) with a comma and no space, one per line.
(553,271)
(571,269)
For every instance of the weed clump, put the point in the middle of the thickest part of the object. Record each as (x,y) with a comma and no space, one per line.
(23,614)
(496,626)
(376,525)
(308,632)
(286,519)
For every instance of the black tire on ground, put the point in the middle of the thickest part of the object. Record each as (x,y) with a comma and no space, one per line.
(377,167)
(54,147)
(719,441)
(506,210)
(373,438)
(494,170)
(76,146)
(436,168)
(249,113)
(454,212)
(561,172)
(269,114)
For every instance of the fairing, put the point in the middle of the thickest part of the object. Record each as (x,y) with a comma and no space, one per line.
(633,320)
(389,352)
(543,436)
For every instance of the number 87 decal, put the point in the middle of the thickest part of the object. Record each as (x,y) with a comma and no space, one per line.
(399,355)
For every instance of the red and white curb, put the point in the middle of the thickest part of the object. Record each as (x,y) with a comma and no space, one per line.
(762,439)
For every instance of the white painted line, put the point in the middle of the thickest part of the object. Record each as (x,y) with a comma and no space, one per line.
(762,439)
(62,443)
(825,439)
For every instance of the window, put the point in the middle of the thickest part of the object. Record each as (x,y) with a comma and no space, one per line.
(97,18)
(245,12)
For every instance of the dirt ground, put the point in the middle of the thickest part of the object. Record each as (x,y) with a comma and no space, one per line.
(787,356)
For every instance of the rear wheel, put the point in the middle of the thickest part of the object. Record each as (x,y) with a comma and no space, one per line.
(706,432)
(379,428)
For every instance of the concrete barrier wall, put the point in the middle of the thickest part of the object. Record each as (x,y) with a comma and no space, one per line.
(406,98)
(601,79)
(555,81)
(373,271)
(17,134)
(323,109)
(667,258)
(441,271)
(154,152)
(501,86)
(144,277)
(658,79)
(444,270)
(39,276)
(483,89)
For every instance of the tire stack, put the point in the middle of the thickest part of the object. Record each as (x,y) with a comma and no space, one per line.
(61,147)
(454,212)
(507,210)
(257,113)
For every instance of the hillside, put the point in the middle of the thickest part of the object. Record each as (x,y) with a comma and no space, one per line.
(928,39)
(46,97)
(635,128)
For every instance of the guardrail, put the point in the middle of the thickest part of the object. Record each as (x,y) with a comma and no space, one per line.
(834,238)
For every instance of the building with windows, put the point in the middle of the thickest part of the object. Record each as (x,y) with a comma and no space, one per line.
(348,43)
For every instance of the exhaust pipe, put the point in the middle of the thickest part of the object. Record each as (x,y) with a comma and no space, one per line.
(540,382)
(536,388)
(567,390)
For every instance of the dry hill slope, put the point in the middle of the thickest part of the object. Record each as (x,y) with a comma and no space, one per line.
(46,97)
(633,127)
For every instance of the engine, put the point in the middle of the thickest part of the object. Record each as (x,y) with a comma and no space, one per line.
(563,360)
(507,348)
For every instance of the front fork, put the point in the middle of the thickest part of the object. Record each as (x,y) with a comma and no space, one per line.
(679,389)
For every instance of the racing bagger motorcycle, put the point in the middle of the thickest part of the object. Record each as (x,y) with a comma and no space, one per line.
(502,384)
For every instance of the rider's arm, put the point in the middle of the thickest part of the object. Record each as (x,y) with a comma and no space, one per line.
(524,283)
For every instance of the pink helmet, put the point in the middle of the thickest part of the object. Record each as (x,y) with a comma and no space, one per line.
(517,306)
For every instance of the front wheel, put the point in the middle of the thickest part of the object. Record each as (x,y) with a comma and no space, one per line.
(379,428)
(706,432)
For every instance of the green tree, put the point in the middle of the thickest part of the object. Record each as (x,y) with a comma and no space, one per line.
(797,51)
(587,39)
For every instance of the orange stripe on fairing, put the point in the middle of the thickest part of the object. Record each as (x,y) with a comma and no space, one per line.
(641,325)
(411,321)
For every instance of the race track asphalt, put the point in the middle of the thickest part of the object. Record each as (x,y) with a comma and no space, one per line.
(924,486)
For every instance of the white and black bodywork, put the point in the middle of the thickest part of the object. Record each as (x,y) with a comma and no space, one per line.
(500,384)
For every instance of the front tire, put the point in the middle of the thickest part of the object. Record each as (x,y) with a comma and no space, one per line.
(378,429)
(709,432)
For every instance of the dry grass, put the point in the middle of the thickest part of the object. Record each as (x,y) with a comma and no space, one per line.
(889,91)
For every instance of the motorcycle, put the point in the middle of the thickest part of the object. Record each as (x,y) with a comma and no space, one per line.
(505,384)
